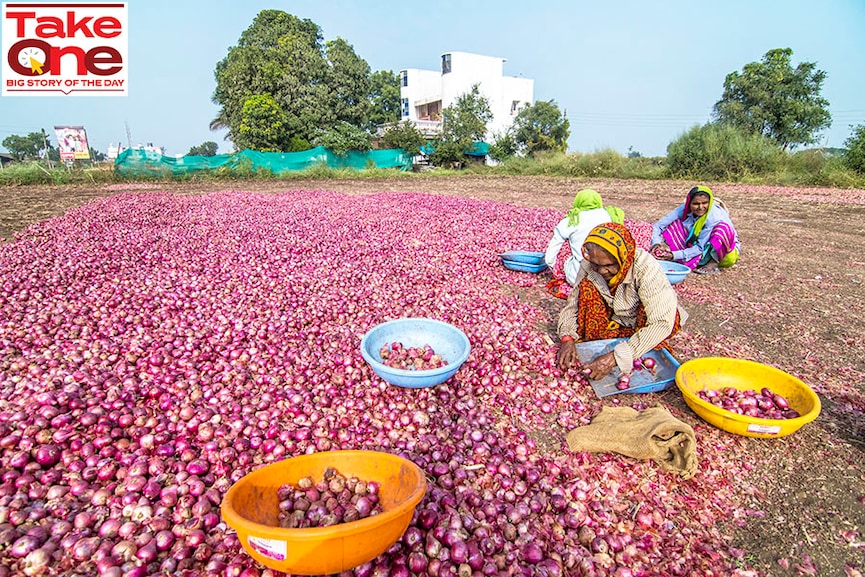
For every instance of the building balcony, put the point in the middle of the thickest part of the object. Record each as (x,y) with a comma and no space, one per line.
(429,128)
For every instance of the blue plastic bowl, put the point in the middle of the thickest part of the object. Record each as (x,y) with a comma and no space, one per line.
(523,267)
(446,340)
(523,256)
(675,272)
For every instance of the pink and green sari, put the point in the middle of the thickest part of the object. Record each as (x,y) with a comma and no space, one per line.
(722,239)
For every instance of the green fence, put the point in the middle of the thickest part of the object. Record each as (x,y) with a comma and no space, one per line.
(134,162)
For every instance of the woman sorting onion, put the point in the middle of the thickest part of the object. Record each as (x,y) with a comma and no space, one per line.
(698,234)
(621,292)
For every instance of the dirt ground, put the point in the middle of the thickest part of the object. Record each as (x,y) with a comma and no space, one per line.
(794,301)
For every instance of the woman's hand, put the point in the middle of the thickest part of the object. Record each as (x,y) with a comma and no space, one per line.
(567,355)
(601,366)
(661,251)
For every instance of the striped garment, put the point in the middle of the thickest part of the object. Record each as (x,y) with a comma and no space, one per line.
(722,239)
(644,284)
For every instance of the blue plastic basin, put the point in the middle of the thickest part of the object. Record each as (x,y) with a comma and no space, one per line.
(523,267)
(523,256)
(446,340)
(675,272)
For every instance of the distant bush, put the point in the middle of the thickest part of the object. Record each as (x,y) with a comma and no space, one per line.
(720,152)
(404,135)
(854,155)
(38,172)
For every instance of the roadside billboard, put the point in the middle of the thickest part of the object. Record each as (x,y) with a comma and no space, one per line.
(72,142)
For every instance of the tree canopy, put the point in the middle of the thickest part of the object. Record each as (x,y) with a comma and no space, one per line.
(282,85)
(541,126)
(463,123)
(404,135)
(207,148)
(854,154)
(27,147)
(772,98)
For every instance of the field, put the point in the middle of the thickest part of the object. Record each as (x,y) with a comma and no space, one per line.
(788,506)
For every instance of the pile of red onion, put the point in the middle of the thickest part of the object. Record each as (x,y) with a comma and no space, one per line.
(765,404)
(333,500)
(155,348)
(397,356)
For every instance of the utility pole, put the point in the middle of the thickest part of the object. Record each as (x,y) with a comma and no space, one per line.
(128,135)
(45,142)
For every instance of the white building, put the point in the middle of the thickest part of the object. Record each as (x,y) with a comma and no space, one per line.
(425,93)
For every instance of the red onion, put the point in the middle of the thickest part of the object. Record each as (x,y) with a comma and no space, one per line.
(23,546)
(143,362)
(766,405)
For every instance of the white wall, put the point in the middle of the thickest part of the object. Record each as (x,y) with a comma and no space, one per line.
(467,70)
(423,86)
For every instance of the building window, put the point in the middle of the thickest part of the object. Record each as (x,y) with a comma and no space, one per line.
(405,78)
(405,106)
(515,106)
(446,63)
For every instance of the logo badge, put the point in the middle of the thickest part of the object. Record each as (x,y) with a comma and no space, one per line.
(65,48)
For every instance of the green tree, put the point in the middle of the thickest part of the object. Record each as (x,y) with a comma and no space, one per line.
(349,84)
(342,138)
(314,86)
(854,154)
(207,148)
(28,147)
(772,98)
(463,123)
(384,99)
(404,135)
(504,146)
(541,127)
(281,56)
(262,125)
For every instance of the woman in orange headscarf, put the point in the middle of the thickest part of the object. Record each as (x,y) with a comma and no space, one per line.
(621,292)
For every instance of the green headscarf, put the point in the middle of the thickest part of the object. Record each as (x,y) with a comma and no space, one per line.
(700,222)
(617,215)
(588,199)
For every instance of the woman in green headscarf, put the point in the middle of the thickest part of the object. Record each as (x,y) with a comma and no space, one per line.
(588,212)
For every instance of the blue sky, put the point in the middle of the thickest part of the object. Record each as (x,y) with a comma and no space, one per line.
(629,73)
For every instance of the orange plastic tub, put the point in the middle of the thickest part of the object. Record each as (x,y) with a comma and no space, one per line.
(251,508)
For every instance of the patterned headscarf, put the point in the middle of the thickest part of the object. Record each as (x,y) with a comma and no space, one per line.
(616,239)
(700,222)
(588,199)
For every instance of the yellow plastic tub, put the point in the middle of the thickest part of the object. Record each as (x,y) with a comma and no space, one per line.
(251,508)
(718,373)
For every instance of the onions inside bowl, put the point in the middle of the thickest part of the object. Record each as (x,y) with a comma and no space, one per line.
(396,356)
(335,499)
(763,405)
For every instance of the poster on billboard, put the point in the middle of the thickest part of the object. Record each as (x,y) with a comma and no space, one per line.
(72,142)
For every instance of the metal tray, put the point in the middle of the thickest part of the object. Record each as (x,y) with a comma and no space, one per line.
(642,380)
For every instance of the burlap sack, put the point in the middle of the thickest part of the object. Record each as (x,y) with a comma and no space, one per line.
(653,434)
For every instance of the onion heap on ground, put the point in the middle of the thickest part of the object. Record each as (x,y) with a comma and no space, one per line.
(155,348)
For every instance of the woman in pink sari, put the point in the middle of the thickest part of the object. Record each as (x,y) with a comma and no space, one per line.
(698,234)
